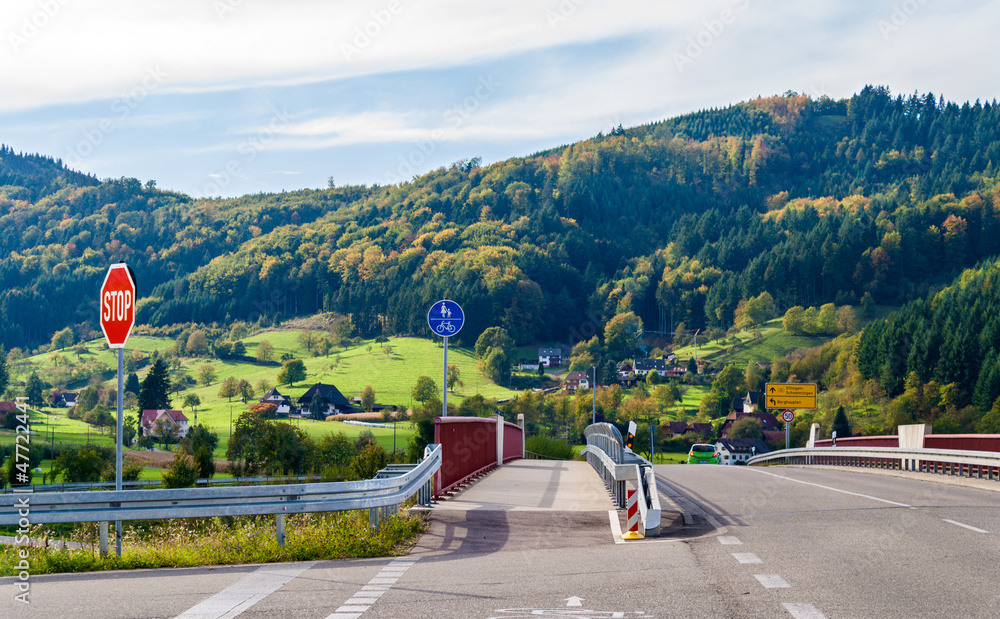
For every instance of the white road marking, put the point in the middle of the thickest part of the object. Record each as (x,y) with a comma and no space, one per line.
(747,557)
(863,496)
(729,540)
(772,581)
(965,526)
(361,601)
(352,608)
(803,611)
(253,588)
(574,601)
(616,527)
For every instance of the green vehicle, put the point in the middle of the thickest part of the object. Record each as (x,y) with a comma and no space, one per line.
(703,454)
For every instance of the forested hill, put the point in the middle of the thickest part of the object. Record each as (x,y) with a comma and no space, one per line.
(29,177)
(811,200)
(951,339)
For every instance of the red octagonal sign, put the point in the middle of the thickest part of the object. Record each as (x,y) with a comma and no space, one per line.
(118,305)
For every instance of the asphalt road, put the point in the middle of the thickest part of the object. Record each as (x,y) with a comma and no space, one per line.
(847,543)
(775,542)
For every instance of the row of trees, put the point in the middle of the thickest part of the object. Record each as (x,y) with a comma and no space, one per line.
(261,445)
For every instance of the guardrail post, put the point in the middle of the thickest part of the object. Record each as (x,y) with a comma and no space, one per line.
(373,517)
(104,538)
(279,521)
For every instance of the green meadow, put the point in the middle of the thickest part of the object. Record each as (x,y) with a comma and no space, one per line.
(391,368)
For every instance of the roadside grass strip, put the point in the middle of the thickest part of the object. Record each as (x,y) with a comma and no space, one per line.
(222,541)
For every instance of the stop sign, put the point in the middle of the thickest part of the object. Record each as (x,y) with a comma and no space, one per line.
(118,305)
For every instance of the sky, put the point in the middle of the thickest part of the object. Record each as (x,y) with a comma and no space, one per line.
(232,97)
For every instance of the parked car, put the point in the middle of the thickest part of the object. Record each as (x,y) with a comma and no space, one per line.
(702,453)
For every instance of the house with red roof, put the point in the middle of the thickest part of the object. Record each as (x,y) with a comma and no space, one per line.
(147,425)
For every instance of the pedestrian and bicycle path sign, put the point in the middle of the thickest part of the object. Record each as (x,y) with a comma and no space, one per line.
(445,318)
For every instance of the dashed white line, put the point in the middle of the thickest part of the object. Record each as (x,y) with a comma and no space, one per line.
(240,596)
(747,557)
(772,581)
(729,540)
(965,526)
(803,611)
(361,601)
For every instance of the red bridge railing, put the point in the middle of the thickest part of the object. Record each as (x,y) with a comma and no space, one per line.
(470,446)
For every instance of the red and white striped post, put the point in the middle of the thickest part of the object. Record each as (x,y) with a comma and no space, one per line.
(632,509)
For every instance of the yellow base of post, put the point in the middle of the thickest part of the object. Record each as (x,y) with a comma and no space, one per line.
(633,535)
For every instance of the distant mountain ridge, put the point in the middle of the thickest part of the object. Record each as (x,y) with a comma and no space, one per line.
(676,221)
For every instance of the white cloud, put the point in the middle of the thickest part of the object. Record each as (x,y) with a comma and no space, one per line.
(100,49)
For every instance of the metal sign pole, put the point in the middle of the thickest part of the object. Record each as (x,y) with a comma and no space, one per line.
(787,433)
(444,400)
(118,447)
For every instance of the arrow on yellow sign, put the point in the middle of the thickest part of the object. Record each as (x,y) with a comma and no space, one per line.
(791,395)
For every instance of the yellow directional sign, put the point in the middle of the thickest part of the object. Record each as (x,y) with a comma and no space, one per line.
(790,395)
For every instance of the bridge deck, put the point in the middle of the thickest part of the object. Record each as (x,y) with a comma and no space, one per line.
(535,485)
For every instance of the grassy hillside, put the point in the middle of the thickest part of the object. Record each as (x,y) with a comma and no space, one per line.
(391,368)
(765,344)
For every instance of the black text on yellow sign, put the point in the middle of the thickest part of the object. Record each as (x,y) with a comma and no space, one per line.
(790,395)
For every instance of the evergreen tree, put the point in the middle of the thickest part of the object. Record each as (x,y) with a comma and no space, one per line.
(132,384)
(692,366)
(841,425)
(154,393)
(34,390)
(204,462)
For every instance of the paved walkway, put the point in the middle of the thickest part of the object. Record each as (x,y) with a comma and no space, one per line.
(535,485)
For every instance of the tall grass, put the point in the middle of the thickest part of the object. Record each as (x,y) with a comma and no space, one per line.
(221,541)
(548,446)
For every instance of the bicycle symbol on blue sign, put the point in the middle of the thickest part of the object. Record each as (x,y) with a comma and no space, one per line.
(445,318)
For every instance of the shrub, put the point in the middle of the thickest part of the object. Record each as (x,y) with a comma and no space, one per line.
(550,447)
(182,472)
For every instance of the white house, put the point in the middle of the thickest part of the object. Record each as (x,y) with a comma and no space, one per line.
(151,417)
(550,357)
(645,366)
(283,403)
(733,450)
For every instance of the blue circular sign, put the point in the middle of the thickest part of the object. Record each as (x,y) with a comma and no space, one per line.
(446,318)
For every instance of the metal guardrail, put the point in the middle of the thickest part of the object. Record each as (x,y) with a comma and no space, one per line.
(943,461)
(153,483)
(99,506)
(606,453)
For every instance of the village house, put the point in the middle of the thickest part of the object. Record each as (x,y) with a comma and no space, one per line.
(283,403)
(332,401)
(550,357)
(147,424)
(739,450)
(577,380)
(644,366)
